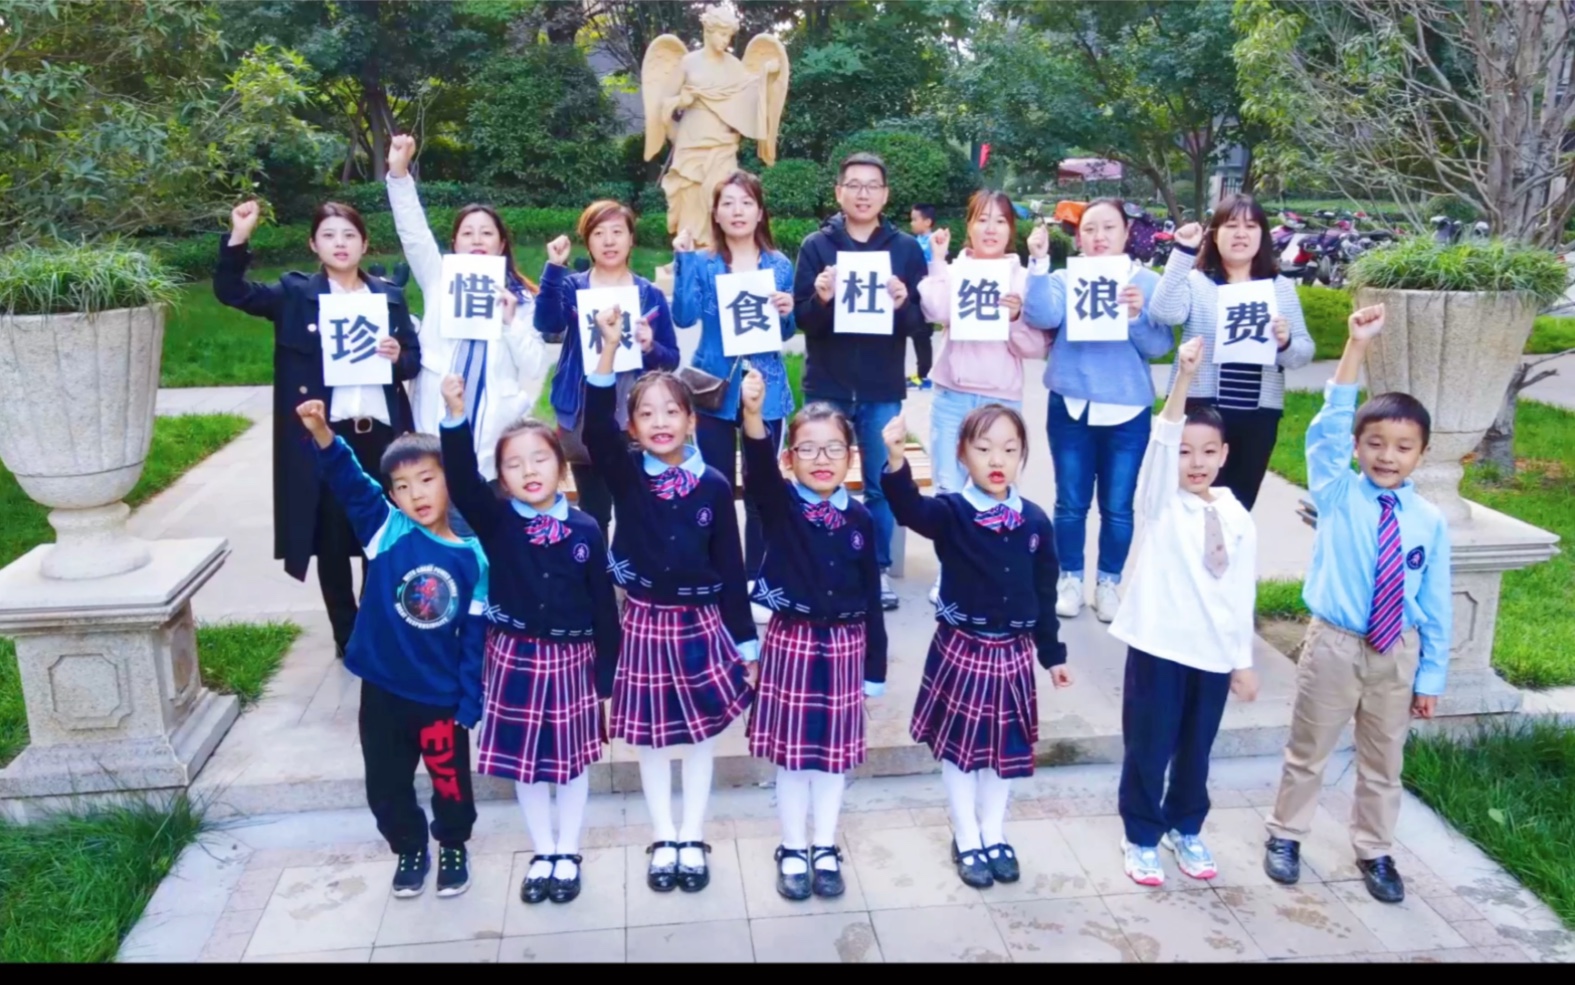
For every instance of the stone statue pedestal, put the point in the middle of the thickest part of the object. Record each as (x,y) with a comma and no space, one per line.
(115,701)
(663,279)
(1488,544)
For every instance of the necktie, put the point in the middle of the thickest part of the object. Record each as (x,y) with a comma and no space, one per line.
(998,518)
(675,482)
(823,514)
(1385,621)
(1215,558)
(544,530)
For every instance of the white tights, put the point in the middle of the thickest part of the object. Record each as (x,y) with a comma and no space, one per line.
(536,802)
(656,782)
(978,806)
(799,791)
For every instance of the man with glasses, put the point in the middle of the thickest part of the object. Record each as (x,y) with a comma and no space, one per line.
(862,375)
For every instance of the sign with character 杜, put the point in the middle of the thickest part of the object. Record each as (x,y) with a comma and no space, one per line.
(862,303)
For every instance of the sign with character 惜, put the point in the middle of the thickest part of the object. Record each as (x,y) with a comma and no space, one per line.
(470,307)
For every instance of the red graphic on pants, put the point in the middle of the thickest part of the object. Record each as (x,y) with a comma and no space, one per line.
(437,750)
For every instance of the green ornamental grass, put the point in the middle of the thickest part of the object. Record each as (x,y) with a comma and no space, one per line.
(88,279)
(1419,264)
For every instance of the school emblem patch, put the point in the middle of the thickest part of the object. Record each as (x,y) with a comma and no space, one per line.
(582,552)
(703,517)
(1416,558)
(1033,543)
(858,541)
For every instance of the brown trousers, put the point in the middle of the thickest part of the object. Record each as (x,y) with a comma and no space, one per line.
(1341,675)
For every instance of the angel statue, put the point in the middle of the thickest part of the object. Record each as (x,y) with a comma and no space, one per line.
(704,102)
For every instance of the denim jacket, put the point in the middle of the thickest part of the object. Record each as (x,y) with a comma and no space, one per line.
(695,300)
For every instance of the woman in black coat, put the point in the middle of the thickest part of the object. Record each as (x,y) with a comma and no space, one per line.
(307,521)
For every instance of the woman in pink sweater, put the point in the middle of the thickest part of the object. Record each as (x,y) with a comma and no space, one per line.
(971,374)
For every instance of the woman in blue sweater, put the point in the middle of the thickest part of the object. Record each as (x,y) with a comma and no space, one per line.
(1101,399)
(741,234)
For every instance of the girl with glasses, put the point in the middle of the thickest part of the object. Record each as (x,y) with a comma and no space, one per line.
(825,647)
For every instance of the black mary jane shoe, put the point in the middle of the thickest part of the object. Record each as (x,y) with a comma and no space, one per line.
(1003,863)
(693,878)
(828,882)
(536,890)
(794,887)
(662,878)
(565,890)
(972,867)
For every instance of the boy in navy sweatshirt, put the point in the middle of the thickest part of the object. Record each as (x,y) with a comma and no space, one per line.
(417,647)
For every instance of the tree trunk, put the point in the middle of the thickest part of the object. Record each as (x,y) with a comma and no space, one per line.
(379,122)
(348,171)
(1498,444)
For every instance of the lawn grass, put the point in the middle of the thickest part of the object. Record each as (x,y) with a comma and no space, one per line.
(240,658)
(1511,790)
(1551,334)
(1534,645)
(1281,598)
(73,887)
(207,344)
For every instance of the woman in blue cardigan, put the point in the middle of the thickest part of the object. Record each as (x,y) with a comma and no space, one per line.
(741,238)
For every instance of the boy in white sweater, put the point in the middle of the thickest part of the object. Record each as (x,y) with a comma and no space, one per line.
(1187,621)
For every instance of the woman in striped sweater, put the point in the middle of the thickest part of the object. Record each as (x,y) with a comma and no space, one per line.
(1250,398)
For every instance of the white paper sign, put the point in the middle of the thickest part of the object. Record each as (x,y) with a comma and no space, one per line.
(750,325)
(1094,312)
(595,299)
(469,308)
(1242,333)
(351,326)
(977,287)
(863,305)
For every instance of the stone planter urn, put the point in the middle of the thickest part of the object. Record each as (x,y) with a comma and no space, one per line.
(77,396)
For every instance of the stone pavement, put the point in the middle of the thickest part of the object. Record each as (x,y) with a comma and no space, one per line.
(314,887)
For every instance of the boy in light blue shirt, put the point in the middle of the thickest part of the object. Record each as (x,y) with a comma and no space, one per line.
(1379,591)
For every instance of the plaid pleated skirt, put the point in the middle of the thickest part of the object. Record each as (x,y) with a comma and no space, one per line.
(543,722)
(680,680)
(976,706)
(809,706)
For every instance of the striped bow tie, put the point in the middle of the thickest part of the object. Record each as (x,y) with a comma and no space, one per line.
(674,483)
(823,514)
(999,518)
(544,530)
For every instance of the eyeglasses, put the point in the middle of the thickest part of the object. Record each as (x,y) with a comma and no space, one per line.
(859,188)
(836,451)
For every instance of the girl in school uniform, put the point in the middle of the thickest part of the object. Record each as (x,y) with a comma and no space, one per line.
(977,709)
(502,379)
(607,230)
(687,629)
(307,521)
(553,641)
(825,647)
(969,374)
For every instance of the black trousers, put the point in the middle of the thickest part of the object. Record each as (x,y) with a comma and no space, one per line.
(397,733)
(1251,435)
(336,539)
(924,352)
(718,442)
(1170,714)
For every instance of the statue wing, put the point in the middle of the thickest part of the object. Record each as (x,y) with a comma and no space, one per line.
(661,76)
(764,48)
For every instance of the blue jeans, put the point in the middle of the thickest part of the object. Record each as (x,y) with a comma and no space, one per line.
(1082,454)
(869,419)
(947,412)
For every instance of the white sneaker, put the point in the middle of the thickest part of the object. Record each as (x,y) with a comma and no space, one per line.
(1068,596)
(1106,601)
(1142,864)
(1192,855)
(935,592)
(761,614)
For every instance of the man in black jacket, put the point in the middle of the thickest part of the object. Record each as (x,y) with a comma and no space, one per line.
(860,374)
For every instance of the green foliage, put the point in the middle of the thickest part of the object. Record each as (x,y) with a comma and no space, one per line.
(1327,311)
(1551,334)
(86,279)
(1281,598)
(1451,206)
(541,120)
(916,169)
(72,887)
(1419,264)
(796,187)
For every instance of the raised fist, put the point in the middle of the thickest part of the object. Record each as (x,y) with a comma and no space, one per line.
(752,392)
(314,416)
(401,151)
(454,395)
(558,251)
(941,241)
(609,322)
(826,284)
(685,243)
(1366,323)
(1190,236)
(1039,242)
(243,221)
(895,434)
(1189,355)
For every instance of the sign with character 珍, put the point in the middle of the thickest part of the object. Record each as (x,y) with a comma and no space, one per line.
(351,326)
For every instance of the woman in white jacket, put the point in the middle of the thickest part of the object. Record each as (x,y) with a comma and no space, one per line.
(503,379)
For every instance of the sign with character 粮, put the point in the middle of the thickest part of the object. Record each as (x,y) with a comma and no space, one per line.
(595,299)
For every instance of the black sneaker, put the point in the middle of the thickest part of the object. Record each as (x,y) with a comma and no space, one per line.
(453,871)
(411,875)
(1382,879)
(1282,860)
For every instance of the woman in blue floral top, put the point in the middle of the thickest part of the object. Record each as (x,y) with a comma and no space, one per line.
(741,238)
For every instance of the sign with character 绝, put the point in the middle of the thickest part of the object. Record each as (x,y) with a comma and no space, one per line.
(863,305)
(750,325)
(1094,312)
(595,299)
(351,326)
(470,308)
(1243,333)
(977,309)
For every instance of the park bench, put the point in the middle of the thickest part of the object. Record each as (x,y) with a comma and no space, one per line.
(918,461)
